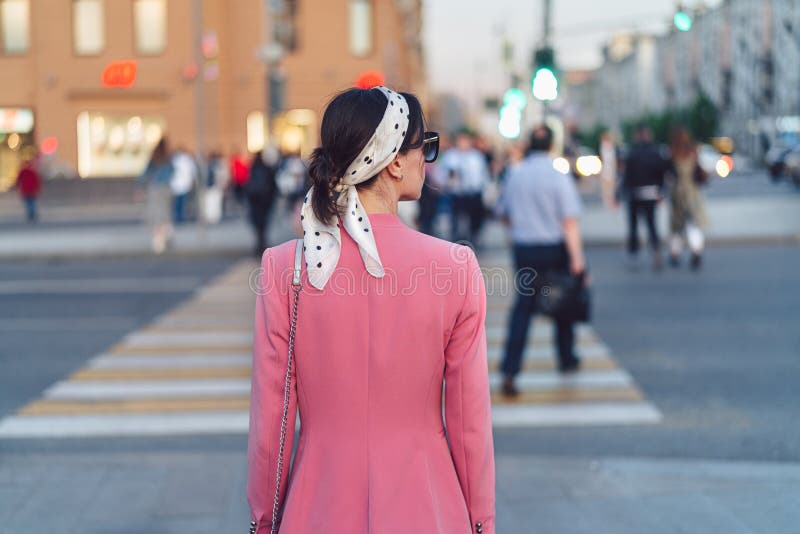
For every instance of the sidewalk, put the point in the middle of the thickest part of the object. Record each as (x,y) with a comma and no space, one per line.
(733,220)
(203,492)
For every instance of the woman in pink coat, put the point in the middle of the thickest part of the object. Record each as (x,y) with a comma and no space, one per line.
(386,316)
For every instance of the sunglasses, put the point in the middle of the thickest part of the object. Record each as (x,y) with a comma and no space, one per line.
(430,146)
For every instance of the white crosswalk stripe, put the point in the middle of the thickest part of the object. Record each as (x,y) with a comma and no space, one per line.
(188,372)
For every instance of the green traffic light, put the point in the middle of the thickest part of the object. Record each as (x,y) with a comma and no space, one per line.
(683,21)
(515,97)
(545,85)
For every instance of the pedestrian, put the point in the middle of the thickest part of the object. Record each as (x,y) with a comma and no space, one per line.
(239,173)
(541,207)
(216,182)
(373,453)
(29,183)
(643,188)
(184,180)
(429,199)
(469,173)
(608,172)
(260,189)
(293,182)
(157,178)
(685,177)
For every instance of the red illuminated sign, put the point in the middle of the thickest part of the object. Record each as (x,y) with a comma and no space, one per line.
(119,74)
(369,79)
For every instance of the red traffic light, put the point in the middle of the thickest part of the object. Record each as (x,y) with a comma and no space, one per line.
(369,79)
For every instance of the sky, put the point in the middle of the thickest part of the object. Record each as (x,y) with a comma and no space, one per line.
(463,38)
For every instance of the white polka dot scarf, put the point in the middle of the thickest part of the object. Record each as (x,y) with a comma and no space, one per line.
(322,243)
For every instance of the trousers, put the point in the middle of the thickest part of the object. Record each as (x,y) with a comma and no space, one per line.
(530,262)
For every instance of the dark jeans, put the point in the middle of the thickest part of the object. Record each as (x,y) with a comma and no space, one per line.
(30,208)
(536,259)
(179,208)
(646,209)
(471,207)
(260,208)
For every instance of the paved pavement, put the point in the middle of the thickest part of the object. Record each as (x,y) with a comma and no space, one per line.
(201,492)
(734,220)
(742,208)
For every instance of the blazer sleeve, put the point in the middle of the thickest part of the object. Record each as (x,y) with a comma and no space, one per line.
(270,358)
(468,411)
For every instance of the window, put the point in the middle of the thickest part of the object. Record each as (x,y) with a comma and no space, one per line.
(255,131)
(88,27)
(15,26)
(150,26)
(360,27)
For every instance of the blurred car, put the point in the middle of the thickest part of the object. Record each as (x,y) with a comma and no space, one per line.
(713,162)
(776,161)
(581,162)
(792,165)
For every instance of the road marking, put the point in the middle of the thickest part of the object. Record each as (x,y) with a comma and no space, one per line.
(512,415)
(100,425)
(571,395)
(17,324)
(141,339)
(99,390)
(548,380)
(51,286)
(150,405)
(160,373)
(188,372)
(183,349)
(169,361)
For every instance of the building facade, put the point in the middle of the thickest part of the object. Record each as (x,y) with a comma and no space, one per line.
(96,83)
(743,54)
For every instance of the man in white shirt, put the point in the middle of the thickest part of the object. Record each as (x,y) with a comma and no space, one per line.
(183,181)
(468,174)
(541,207)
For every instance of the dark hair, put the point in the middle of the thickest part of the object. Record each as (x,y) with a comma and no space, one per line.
(160,152)
(541,139)
(348,124)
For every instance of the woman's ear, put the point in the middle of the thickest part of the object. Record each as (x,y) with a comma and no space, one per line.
(395,168)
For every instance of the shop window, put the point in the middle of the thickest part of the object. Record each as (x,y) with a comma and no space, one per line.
(111,145)
(88,27)
(255,131)
(150,26)
(15,26)
(360,27)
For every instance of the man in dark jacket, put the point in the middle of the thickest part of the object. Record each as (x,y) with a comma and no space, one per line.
(260,188)
(642,187)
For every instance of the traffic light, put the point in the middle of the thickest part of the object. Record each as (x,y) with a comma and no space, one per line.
(510,122)
(514,102)
(515,98)
(682,20)
(545,80)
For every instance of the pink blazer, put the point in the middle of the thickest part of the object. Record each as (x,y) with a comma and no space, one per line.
(371,355)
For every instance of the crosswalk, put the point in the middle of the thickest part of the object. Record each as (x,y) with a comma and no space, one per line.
(188,372)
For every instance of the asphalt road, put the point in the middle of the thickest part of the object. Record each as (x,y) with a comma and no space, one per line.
(716,352)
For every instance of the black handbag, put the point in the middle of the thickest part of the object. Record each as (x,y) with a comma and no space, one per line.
(563,295)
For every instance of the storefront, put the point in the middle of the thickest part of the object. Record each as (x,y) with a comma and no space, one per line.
(16,143)
(295,132)
(115,144)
